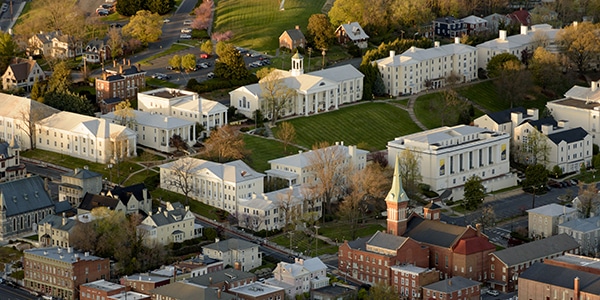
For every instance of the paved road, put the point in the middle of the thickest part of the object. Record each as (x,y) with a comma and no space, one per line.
(11,293)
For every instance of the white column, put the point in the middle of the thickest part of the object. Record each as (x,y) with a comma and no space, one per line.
(327,101)
(316,104)
(306,105)
(336,97)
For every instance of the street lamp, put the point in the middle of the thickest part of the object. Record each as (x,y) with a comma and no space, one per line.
(323,53)
(110,172)
(309,54)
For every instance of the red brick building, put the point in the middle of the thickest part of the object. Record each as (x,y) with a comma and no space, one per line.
(122,82)
(292,39)
(550,281)
(59,272)
(258,291)
(144,283)
(100,289)
(408,280)
(453,288)
(506,265)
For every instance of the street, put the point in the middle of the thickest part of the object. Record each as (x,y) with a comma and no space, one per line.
(11,293)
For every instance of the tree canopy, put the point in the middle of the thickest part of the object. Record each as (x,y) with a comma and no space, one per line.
(225,144)
(131,7)
(474,193)
(231,64)
(580,43)
(320,31)
(497,63)
(144,26)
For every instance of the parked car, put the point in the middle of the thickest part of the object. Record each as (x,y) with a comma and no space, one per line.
(4,7)
(186,30)
(185,36)
(166,21)
(203,55)
(210,75)
(492,292)
(187,22)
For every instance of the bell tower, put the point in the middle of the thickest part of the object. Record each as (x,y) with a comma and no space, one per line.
(397,204)
(297,65)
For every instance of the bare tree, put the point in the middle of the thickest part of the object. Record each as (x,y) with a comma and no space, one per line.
(588,200)
(328,166)
(275,91)
(286,203)
(536,148)
(226,143)
(287,134)
(252,221)
(181,176)
(410,169)
(115,42)
(124,113)
(29,117)
(488,216)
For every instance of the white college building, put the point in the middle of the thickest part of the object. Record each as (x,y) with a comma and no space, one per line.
(184,105)
(85,137)
(14,115)
(316,92)
(449,156)
(216,184)
(154,130)
(412,71)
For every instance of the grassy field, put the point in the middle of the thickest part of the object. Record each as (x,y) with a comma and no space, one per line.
(428,109)
(304,243)
(247,20)
(263,150)
(339,230)
(371,125)
(486,94)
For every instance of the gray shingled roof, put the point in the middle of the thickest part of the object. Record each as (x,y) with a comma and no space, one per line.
(24,195)
(548,274)
(501,117)
(359,243)
(545,121)
(569,135)
(556,244)
(91,201)
(435,233)
(83,174)
(221,276)
(165,217)
(185,291)
(57,222)
(451,285)
(386,240)
(295,34)
(229,244)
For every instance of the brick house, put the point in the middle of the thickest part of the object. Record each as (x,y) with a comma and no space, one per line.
(546,281)
(453,288)
(144,283)
(59,272)
(100,289)
(506,265)
(224,279)
(407,280)
(123,82)
(292,39)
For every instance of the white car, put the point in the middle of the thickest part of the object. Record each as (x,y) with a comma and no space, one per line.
(187,22)
(185,36)
(210,75)
(4,7)
(186,30)
(166,21)
(493,292)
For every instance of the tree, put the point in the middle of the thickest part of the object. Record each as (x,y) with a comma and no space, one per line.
(8,50)
(275,91)
(38,90)
(588,200)
(536,177)
(46,16)
(536,148)
(30,117)
(181,179)
(557,171)
(69,101)
(320,31)
(451,102)
(115,42)
(496,63)
(207,47)
(580,43)
(287,134)
(188,62)
(474,193)
(160,7)
(203,15)
(544,67)
(225,143)
(175,62)
(410,169)
(231,64)
(513,82)
(128,8)
(328,166)
(60,81)
(177,141)
(382,291)
(125,114)
(144,26)
(488,216)
(287,204)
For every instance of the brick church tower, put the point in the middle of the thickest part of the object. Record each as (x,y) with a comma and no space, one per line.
(397,205)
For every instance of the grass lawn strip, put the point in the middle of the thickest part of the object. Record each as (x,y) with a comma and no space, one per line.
(262,150)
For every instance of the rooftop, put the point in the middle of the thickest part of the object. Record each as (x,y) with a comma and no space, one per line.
(255,289)
(556,244)
(552,210)
(104,285)
(64,255)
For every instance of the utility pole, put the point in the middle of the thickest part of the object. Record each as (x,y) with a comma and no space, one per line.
(309,54)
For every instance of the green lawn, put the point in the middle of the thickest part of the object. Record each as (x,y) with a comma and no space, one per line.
(263,150)
(305,244)
(247,20)
(403,102)
(428,109)
(339,230)
(486,94)
(160,83)
(370,124)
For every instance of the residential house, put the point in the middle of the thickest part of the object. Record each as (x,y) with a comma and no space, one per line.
(24,202)
(494,20)
(456,287)
(408,280)
(187,291)
(218,185)
(224,280)
(417,69)
(88,138)
(93,201)
(144,283)
(54,45)
(581,106)
(520,17)
(352,32)
(568,148)
(475,25)
(299,168)
(121,82)
(74,185)
(155,131)
(586,232)
(544,14)
(316,92)
(506,120)
(11,167)
(277,209)
(541,35)
(540,281)
(96,51)
(22,74)
(174,224)
(59,272)
(240,254)
(197,266)
(292,39)
(257,291)
(300,277)
(543,221)
(135,197)
(449,27)
(184,105)
(506,265)
(55,231)
(449,156)
(336,291)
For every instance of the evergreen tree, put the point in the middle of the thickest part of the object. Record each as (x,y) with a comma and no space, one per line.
(129,7)
(231,64)
(160,7)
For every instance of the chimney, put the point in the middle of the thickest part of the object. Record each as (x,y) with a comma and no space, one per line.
(502,35)
(436,44)
(114,63)
(478,226)
(139,67)
(129,62)
(564,124)
(413,49)
(166,119)
(218,293)
(64,219)
(547,129)
(297,27)
(575,24)
(124,61)
(121,69)
(449,282)
(103,75)
(392,53)
(576,288)
(593,86)
(237,265)
(457,40)
(534,113)
(209,280)
(523,30)
(516,118)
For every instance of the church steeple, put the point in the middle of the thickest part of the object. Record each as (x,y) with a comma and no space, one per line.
(397,204)
(297,65)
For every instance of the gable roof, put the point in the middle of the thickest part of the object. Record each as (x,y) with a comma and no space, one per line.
(473,245)
(234,171)
(82,174)
(545,121)
(501,117)
(552,209)
(548,274)
(569,136)
(354,31)
(91,201)
(73,122)
(582,225)
(125,193)
(56,222)
(521,16)
(474,20)
(294,34)
(21,68)
(386,241)
(230,244)
(451,285)
(435,233)
(24,195)
(556,244)
(168,216)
